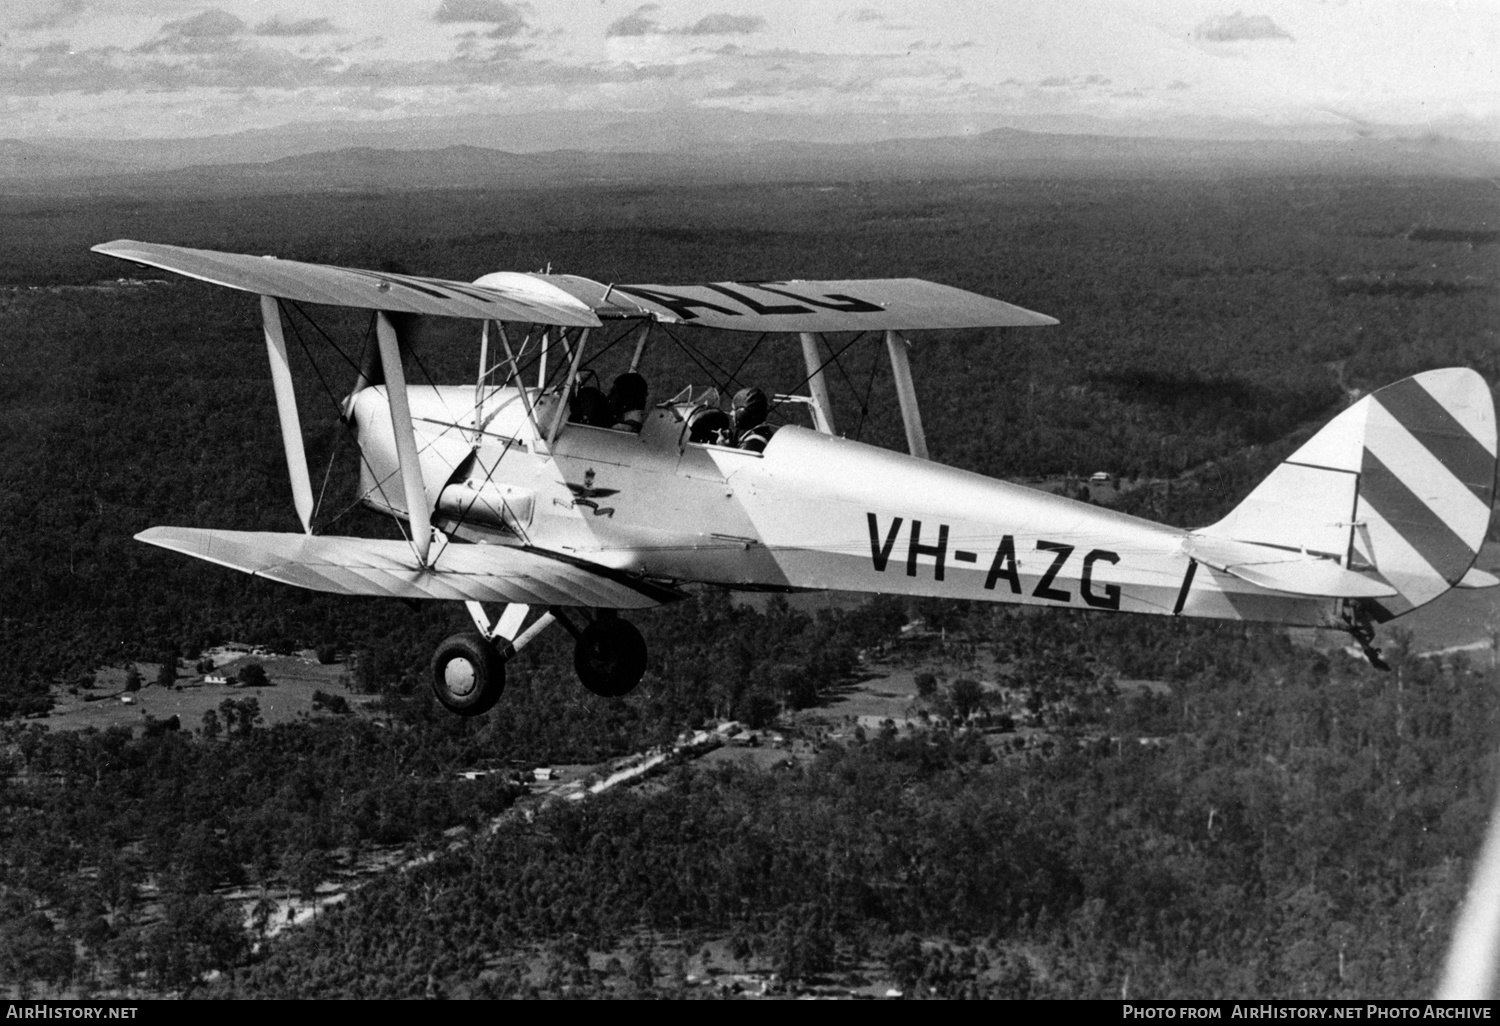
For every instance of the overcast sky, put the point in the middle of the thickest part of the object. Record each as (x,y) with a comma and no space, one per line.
(133,68)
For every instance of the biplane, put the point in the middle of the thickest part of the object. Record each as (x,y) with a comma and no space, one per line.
(536,499)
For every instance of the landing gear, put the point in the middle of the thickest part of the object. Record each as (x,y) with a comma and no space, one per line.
(1357,623)
(468,676)
(610,656)
(468,670)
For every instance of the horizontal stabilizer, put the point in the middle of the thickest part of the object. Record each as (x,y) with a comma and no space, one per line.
(1281,570)
(532,300)
(1475,579)
(389,569)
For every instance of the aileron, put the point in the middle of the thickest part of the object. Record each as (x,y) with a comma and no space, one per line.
(370,290)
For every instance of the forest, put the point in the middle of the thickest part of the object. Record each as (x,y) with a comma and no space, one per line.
(1282,821)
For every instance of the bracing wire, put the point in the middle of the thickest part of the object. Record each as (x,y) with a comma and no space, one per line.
(831,359)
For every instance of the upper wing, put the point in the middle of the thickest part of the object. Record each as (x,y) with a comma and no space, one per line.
(899,304)
(518,298)
(875,304)
(366,566)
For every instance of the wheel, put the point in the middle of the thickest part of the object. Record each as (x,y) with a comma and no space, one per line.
(610,657)
(467,674)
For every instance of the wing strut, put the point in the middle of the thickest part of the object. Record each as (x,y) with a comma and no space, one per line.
(916,441)
(406,438)
(640,346)
(567,387)
(286,409)
(817,384)
(515,372)
(484,361)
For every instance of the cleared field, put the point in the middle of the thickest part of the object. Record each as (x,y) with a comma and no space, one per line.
(288,696)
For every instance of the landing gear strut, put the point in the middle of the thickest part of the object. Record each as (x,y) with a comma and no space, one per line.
(468,676)
(610,656)
(1357,623)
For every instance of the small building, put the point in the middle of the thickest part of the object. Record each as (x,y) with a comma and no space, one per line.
(1100,477)
(215,678)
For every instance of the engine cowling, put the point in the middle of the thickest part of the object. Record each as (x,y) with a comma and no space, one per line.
(489,502)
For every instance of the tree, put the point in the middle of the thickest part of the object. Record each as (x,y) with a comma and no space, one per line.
(926,685)
(305,870)
(759,711)
(197,933)
(167,675)
(202,861)
(253,675)
(32,949)
(336,704)
(211,725)
(366,672)
(133,678)
(643,966)
(229,712)
(967,695)
(249,715)
(327,654)
(260,915)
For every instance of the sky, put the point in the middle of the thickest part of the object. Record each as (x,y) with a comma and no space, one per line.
(164,68)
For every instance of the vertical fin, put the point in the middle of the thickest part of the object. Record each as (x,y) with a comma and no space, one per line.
(1415,461)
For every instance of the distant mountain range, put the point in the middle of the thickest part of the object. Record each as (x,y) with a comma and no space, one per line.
(219,164)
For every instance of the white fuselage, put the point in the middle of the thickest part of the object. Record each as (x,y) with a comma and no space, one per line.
(812,512)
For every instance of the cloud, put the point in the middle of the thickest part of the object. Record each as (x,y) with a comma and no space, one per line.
(639,22)
(59,68)
(210,24)
(53,14)
(1239,26)
(636,23)
(724,25)
(754,80)
(305,27)
(508,19)
(212,31)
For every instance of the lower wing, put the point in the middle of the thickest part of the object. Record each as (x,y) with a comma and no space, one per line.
(389,569)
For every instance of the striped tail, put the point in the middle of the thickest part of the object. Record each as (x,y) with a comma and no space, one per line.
(1398,487)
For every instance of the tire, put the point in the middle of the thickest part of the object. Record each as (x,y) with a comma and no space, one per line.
(610,657)
(468,676)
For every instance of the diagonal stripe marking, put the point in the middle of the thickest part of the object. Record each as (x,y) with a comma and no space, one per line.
(1467,398)
(1411,518)
(1398,564)
(1416,410)
(1427,476)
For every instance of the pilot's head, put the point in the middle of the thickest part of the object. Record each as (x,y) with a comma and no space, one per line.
(750,408)
(628,393)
